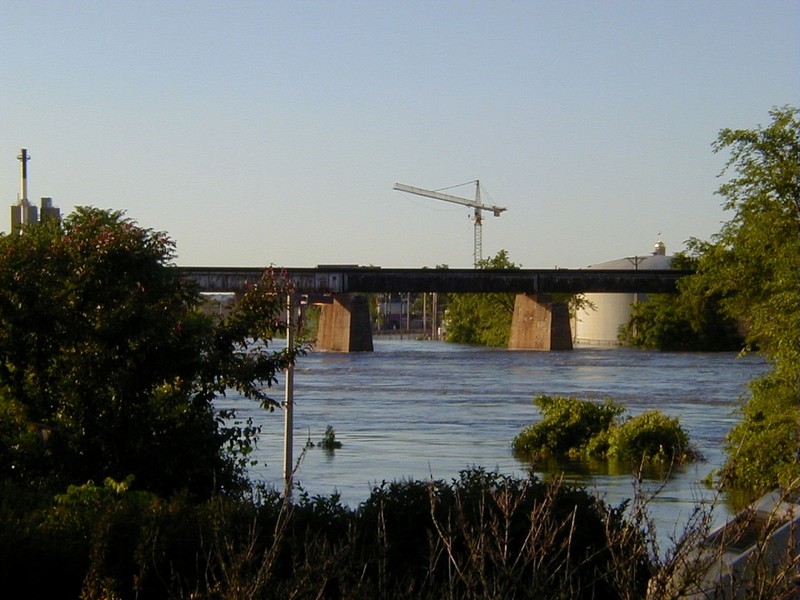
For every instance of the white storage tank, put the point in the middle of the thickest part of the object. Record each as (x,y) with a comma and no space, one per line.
(600,327)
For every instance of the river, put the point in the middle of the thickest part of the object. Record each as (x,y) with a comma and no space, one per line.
(426,409)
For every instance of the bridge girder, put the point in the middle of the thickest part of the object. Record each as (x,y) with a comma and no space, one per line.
(341,280)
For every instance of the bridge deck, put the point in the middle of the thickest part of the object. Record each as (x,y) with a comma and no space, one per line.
(336,280)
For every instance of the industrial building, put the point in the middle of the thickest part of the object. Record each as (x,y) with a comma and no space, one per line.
(599,327)
(23,212)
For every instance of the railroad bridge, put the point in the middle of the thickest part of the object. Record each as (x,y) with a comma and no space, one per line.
(539,323)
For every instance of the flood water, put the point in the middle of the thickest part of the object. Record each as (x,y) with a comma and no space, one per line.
(423,409)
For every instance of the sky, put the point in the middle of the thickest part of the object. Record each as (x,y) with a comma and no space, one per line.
(272,133)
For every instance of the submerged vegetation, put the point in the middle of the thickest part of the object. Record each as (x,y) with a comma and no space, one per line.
(329,441)
(576,428)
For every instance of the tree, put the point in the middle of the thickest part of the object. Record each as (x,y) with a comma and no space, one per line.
(108,370)
(482,318)
(753,266)
(485,319)
(691,320)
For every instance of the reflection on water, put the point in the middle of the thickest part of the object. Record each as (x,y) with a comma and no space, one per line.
(582,469)
(420,410)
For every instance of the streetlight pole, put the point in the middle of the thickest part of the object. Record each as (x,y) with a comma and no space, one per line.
(288,402)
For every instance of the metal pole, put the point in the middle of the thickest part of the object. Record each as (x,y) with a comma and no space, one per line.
(288,403)
(477,248)
(424,314)
(435,316)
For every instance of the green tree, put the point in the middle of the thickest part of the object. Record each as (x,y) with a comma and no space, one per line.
(691,320)
(481,318)
(108,370)
(753,266)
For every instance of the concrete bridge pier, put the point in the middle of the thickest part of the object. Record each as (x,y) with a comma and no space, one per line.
(344,325)
(539,324)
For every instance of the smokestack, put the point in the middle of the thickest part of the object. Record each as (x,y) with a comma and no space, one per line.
(24,158)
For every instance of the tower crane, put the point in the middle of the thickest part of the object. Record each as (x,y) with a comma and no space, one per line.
(476,204)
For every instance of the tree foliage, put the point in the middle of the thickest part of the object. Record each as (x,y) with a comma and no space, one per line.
(691,320)
(753,266)
(481,535)
(482,318)
(755,262)
(746,293)
(575,428)
(107,369)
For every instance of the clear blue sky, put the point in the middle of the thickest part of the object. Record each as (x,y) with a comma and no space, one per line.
(260,132)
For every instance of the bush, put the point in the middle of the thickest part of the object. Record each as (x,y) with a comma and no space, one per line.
(482,535)
(108,369)
(567,428)
(650,436)
(762,446)
(573,428)
(329,441)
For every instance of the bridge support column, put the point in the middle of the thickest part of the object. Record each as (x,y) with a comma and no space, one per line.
(344,325)
(539,324)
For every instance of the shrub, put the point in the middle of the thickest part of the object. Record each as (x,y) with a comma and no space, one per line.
(762,446)
(650,436)
(567,428)
(482,535)
(571,427)
(329,441)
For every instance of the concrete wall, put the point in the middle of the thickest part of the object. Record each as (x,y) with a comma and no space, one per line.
(344,325)
(539,324)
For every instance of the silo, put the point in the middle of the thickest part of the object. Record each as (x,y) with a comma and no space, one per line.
(600,327)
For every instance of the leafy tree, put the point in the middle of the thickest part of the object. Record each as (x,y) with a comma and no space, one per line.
(108,370)
(691,320)
(753,266)
(754,261)
(482,318)
(485,319)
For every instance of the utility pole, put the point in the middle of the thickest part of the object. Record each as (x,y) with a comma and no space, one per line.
(288,402)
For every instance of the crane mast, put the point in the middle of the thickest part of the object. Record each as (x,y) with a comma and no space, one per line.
(476,204)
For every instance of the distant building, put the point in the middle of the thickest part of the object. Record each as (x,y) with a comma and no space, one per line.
(600,327)
(48,211)
(23,212)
